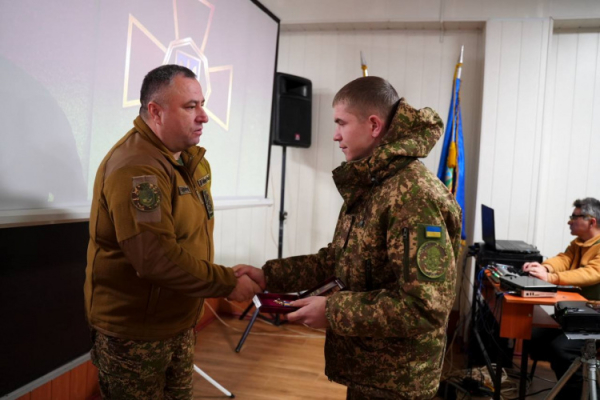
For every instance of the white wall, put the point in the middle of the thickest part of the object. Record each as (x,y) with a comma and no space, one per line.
(540,130)
(516,54)
(570,165)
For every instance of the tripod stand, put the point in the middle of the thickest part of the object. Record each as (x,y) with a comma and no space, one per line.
(275,320)
(590,365)
(213,382)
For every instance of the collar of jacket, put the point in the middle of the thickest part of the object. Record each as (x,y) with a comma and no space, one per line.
(191,156)
(588,243)
(411,135)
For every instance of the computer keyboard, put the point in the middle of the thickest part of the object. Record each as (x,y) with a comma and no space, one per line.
(512,270)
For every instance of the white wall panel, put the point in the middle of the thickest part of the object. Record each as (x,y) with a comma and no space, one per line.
(511,127)
(570,166)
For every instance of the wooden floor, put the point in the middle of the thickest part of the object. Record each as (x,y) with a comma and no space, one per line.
(284,366)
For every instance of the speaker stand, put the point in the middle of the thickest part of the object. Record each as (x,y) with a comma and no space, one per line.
(282,216)
(282,212)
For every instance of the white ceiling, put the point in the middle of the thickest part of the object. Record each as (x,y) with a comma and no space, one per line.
(391,14)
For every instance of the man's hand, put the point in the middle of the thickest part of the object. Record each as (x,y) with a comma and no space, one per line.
(538,271)
(244,290)
(256,274)
(529,265)
(312,312)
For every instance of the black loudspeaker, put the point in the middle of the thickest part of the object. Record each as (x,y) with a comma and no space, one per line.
(292,111)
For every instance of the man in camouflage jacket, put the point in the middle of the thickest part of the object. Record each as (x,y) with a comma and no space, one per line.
(395,247)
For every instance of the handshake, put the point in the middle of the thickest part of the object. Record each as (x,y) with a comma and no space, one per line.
(250,280)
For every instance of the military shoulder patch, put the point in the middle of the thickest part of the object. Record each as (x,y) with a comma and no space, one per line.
(432,259)
(433,231)
(208,204)
(204,180)
(183,190)
(145,196)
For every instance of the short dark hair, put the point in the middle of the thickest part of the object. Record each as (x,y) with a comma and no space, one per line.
(589,207)
(368,95)
(157,79)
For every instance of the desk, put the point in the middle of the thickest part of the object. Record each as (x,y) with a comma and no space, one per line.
(516,317)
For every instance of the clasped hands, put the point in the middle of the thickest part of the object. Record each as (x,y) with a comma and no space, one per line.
(251,280)
(249,283)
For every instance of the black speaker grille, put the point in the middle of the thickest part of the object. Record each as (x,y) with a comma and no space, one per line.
(292,111)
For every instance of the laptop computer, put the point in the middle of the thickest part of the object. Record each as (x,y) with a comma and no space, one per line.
(528,286)
(488,231)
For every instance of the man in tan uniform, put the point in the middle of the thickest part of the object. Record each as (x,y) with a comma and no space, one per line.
(150,255)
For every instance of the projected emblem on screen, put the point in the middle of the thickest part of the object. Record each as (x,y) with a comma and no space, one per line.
(191,19)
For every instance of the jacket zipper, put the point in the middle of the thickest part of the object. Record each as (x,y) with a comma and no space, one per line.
(406,250)
(368,276)
(348,233)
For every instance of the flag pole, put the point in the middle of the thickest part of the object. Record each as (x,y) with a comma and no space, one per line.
(363,64)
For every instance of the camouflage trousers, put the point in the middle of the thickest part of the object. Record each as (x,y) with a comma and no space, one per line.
(135,369)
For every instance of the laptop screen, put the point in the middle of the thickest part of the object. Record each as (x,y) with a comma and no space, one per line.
(487,226)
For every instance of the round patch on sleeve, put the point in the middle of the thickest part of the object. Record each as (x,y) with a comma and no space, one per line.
(432,259)
(145,196)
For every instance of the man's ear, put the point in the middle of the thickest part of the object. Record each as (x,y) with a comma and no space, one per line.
(376,125)
(155,112)
(593,223)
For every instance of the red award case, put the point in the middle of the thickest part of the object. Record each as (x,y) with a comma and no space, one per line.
(277,303)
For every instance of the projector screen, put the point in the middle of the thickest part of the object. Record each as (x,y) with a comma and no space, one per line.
(70,76)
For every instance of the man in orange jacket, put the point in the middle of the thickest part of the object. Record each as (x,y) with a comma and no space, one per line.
(579,265)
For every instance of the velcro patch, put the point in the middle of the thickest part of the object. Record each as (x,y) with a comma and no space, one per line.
(204,180)
(432,259)
(183,190)
(208,204)
(433,231)
(145,196)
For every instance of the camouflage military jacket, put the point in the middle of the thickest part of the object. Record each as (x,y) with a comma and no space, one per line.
(395,246)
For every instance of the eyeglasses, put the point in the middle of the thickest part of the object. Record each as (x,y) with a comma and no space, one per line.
(573,217)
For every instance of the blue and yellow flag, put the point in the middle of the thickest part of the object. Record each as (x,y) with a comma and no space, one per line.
(452,162)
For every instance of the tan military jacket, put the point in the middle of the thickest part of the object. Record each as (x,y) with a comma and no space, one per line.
(150,255)
(395,247)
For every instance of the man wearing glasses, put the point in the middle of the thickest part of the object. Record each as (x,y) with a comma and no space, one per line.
(579,265)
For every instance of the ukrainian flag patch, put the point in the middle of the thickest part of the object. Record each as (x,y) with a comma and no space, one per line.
(432,231)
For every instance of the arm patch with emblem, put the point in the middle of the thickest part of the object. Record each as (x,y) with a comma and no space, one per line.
(432,257)
(146,198)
